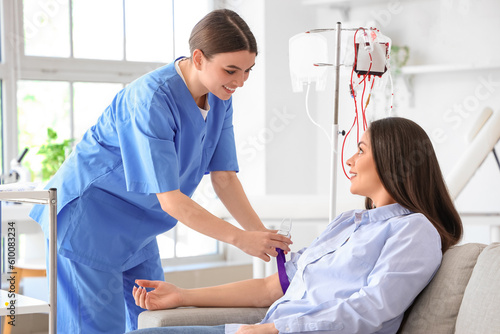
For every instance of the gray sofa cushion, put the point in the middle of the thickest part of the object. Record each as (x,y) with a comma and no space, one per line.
(435,310)
(203,316)
(479,312)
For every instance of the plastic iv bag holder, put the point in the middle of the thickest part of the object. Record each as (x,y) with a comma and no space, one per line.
(305,50)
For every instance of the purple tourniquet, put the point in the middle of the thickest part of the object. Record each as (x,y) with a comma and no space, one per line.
(280,259)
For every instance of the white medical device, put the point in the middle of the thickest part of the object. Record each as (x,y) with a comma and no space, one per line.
(306,50)
(18,173)
(286,228)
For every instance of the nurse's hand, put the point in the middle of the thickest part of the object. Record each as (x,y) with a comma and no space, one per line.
(262,244)
(258,329)
(164,295)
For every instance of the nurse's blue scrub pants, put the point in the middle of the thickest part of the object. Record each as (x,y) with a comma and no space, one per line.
(92,301)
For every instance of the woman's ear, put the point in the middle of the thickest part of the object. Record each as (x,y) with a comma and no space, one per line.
(198,58)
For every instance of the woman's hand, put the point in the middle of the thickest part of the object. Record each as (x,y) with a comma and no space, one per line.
(258,329)
(164,295)
(262,244)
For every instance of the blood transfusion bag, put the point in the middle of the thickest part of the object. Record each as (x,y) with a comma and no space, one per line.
(371,58)
(374,65)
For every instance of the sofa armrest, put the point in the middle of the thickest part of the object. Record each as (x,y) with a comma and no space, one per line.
(201,316)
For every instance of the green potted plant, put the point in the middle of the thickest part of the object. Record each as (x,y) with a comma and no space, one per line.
(54,154)
(399,58)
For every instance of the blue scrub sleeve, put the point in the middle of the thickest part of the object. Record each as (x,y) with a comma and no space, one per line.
(224,157)
(146,134)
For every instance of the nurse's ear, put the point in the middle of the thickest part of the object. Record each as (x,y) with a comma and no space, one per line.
(198,58)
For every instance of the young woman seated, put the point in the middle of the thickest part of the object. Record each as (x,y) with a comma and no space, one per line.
(367,267)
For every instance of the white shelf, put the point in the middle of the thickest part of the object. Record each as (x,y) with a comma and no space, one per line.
(343,5)
(325,2)
(486,219)
(336,3)
(15,211)
(19,213)
(409,72)
(446,68)
(23,304)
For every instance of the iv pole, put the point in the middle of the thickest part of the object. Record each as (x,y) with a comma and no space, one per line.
(335,131)
(335,125)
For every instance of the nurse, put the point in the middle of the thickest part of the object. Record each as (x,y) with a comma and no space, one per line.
(132,175)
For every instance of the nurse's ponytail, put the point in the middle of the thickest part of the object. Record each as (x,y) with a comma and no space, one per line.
(221,31)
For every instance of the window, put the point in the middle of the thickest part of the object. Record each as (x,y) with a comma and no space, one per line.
(67,108)
(67,59)
(113,29)
(89,101)
(46,26)
(1,127)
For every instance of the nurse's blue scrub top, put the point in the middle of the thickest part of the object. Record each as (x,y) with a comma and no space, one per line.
(151,139)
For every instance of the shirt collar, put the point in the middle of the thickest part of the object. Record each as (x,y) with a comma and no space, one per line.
(206,108)
(387,211)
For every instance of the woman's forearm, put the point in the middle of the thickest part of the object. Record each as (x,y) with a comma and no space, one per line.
(249,293)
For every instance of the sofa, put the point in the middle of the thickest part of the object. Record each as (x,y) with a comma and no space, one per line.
(462,298)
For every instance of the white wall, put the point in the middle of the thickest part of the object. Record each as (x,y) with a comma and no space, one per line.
(249,104)
(291,150)
(273,122)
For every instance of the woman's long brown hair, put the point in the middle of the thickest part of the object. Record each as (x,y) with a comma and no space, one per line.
(409,170)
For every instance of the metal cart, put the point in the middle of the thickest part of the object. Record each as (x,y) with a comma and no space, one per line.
(23,304)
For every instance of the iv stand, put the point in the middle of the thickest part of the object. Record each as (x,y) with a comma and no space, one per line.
(335,125)
(335,131)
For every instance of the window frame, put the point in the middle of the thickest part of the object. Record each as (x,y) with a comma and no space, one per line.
(16,66)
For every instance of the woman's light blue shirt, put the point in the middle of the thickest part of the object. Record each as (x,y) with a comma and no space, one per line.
(151,139)
(359,275)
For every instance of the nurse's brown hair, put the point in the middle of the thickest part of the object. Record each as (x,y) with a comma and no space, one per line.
(409,170)
(222,31)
